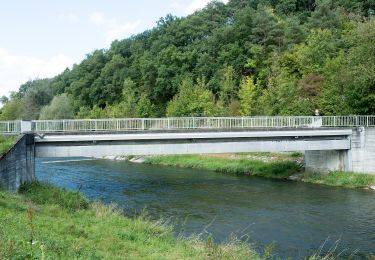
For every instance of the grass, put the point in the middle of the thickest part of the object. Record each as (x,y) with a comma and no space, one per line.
(291,155)
(341,179)
(43,222)
(6,142)
(277,169)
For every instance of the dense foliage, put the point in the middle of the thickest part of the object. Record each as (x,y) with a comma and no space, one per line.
(248,57)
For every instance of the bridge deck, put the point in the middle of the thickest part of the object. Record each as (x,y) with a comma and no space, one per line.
(100,145)
(191,135)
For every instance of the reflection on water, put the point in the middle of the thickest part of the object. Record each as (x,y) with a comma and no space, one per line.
(298,216)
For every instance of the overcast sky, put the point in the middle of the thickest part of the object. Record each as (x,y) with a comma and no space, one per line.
(40,38)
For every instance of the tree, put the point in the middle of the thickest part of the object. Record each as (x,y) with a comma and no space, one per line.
(191,100)
(129,99)
(145,108)
(302,54)
(38,95)
(247,95)
(12,110)
(358,70)
(60,108)
(4,100)
(227,85)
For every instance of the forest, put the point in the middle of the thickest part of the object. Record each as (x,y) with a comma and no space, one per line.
(243,58)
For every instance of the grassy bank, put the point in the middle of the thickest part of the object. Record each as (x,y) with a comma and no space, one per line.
(273,169)
(279,166)
(6,143)
(44,222)
(341,179)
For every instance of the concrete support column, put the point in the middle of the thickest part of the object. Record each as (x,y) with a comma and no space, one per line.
(326,161)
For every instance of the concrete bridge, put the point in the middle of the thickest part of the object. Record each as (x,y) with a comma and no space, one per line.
(330,143)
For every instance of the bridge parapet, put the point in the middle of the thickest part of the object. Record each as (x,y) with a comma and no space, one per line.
(183,123)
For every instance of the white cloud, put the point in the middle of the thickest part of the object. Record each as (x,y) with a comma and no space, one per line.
(113,29)
(192,6)
(68,17)
(16,69)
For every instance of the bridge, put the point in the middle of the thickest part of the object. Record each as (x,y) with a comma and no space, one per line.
(329,142)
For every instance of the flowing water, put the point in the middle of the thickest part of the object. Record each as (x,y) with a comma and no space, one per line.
(298,218)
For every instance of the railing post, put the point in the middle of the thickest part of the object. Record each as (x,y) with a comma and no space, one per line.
(25,126)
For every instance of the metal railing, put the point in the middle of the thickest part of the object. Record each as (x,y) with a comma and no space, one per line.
(133,124)
(10,127)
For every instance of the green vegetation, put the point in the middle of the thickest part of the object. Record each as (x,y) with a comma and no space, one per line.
(291,155)
(341,179)
(246,57)
(279,170)
(44,222)
(270,165)
(60,107)
(6,142)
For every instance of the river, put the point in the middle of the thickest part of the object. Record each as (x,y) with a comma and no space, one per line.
(298,218)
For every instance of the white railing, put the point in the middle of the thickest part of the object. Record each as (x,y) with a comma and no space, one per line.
(10,127)
(133,124)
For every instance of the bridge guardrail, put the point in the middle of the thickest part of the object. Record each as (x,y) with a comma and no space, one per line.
(89,125)
(10,127)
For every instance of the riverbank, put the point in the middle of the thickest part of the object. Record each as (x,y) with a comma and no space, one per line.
(43,222)
(279,166)
(271,169)
(6,142)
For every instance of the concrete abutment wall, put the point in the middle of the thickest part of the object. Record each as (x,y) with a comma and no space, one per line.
(360,158)
(325,161)
(17,166)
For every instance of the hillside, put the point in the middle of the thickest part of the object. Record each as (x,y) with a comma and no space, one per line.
(248,57)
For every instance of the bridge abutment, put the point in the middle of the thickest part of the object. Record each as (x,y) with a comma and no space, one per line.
(362,151)
(17,166)
(359,158)
(326,161)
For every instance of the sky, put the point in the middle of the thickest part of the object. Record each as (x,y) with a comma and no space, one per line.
(40,38)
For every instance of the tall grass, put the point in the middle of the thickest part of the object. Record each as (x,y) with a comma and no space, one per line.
(46,194)
(341,179)
(44,222)
(276,169)
(6,142)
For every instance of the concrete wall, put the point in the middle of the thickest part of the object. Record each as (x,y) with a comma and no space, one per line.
(18,165)
(325,161)
(362,151)
(360,158)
